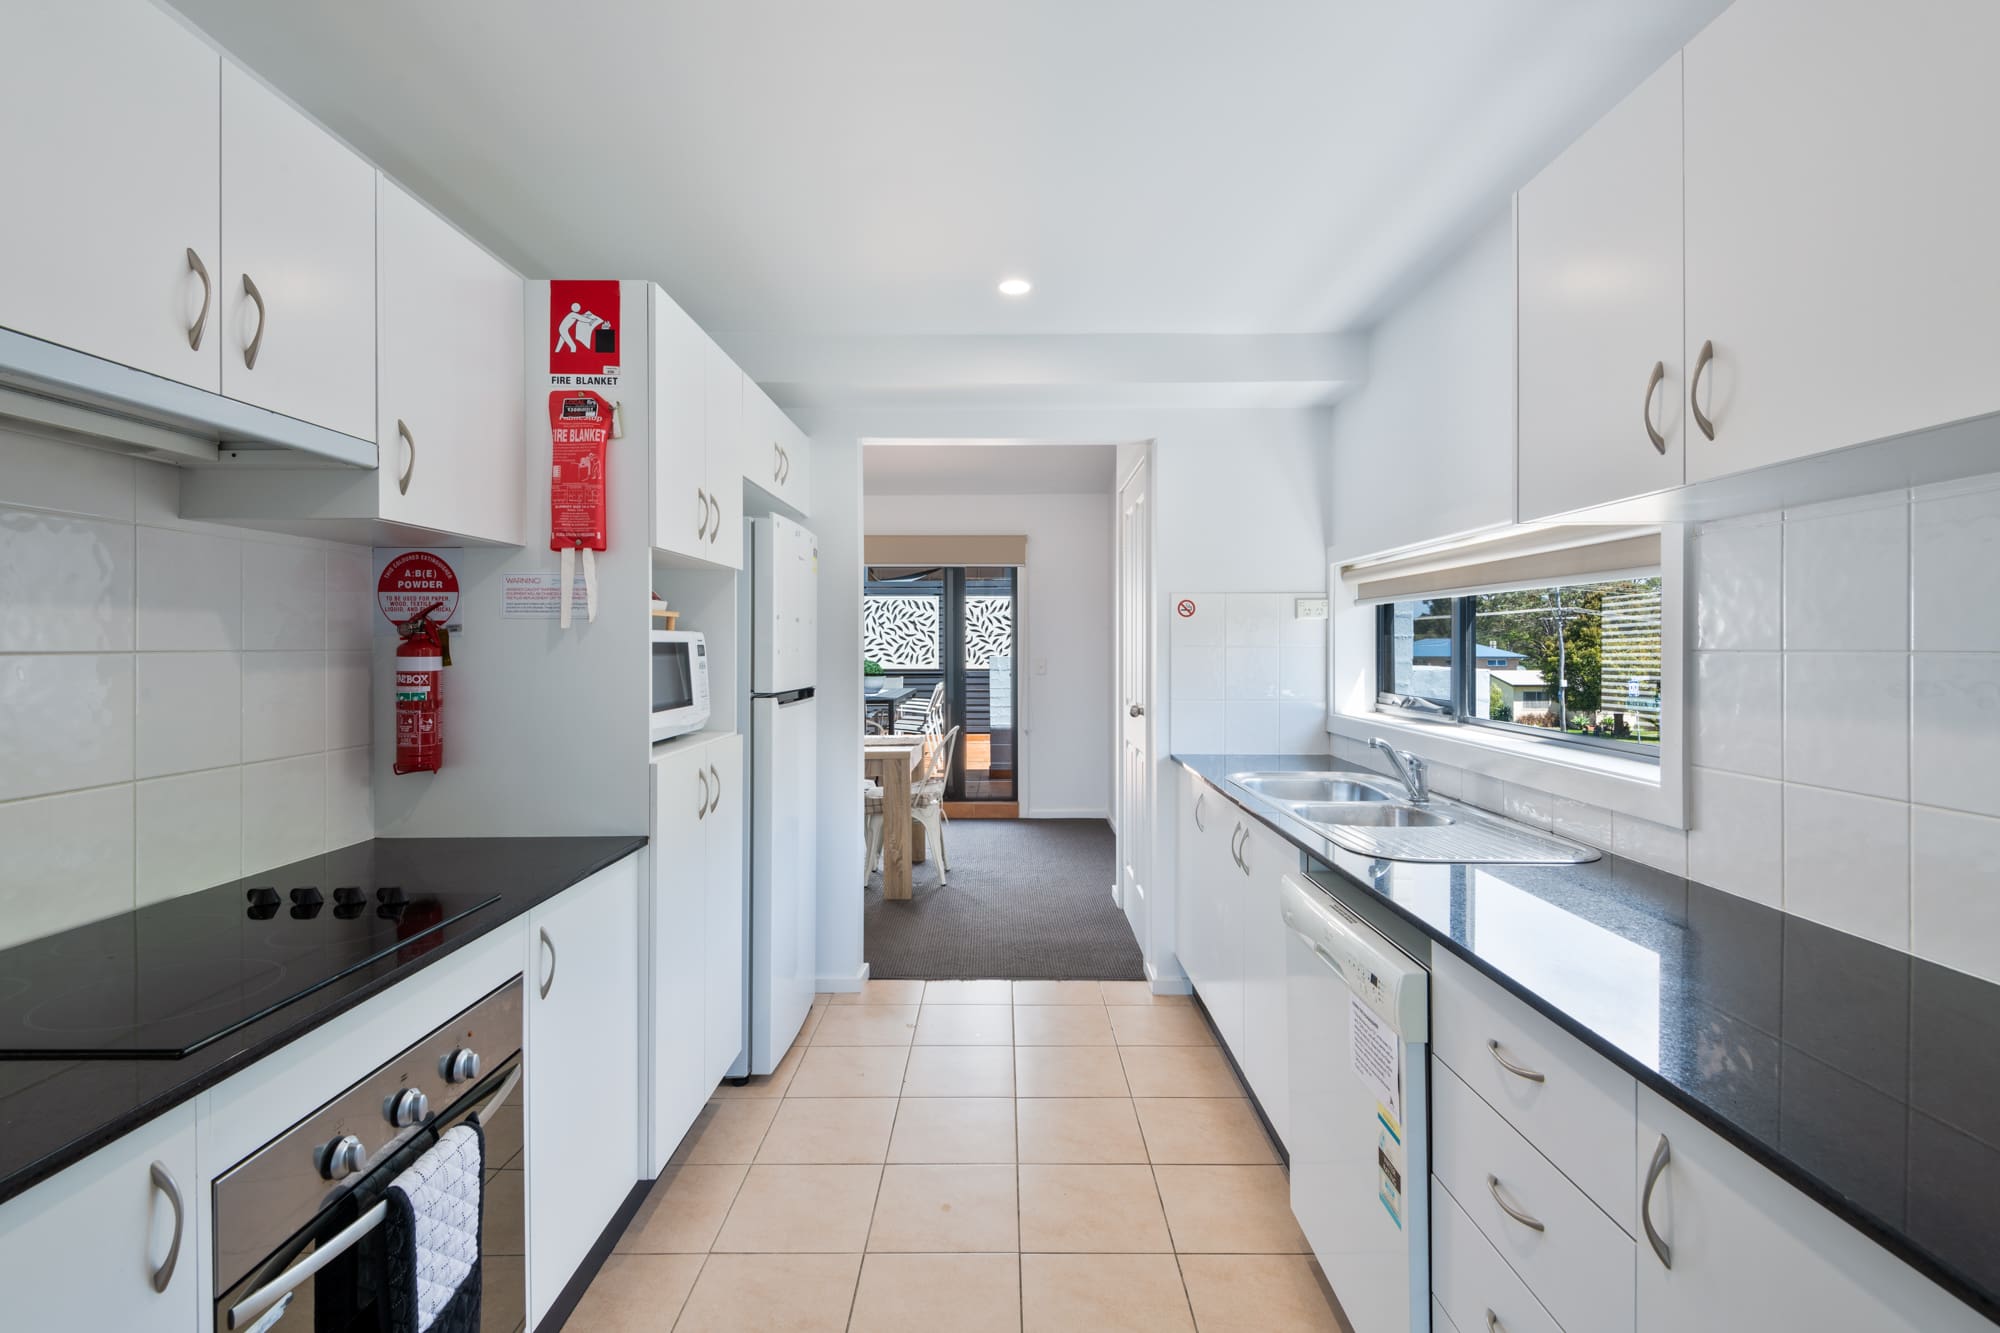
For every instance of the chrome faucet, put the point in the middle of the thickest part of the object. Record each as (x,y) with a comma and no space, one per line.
(1408,767)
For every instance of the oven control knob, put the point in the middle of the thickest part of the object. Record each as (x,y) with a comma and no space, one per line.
(406,1108)
(342,1158)
(461,1066)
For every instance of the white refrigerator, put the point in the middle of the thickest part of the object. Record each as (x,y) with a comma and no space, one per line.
(781,589)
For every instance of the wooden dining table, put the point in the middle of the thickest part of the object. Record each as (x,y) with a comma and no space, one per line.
(892,763)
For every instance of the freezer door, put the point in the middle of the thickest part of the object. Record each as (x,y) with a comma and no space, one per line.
(784,938)
(785,606)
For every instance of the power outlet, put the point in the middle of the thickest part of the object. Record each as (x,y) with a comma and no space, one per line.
(1309,608)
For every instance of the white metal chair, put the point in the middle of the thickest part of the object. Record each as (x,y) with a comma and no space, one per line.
(871,795)
(927,800)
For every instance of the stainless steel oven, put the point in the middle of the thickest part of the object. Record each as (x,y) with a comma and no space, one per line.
(297,1222)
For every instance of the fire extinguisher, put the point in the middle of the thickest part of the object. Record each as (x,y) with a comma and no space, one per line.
(420,661)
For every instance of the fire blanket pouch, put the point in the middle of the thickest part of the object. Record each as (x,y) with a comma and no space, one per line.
(580,429)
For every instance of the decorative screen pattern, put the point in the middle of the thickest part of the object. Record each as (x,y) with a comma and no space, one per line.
(901,632)
(989,631)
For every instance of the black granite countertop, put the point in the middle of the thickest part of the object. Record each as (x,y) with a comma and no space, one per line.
(54,1112)
(1866,1077)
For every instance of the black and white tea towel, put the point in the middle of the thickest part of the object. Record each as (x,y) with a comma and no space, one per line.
(432,1238)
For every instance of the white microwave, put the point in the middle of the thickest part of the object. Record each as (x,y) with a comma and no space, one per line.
(680,683)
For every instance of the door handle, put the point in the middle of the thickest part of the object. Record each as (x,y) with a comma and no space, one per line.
(1661,1156)
(164,1182)
(548,977)
(257,341)
(1526,1220)
(200,324)
(1646,408)
(716,801)
(1136,710)
(1694,389)
(701,507)
(1518,1071)
(715,528)
(701,801)
(410,467)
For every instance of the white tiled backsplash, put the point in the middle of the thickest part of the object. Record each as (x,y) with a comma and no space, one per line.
(1246,675)
(1844,713)
(180,703)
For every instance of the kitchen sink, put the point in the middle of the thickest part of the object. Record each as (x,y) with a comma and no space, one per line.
(1289,788)
(1379,815)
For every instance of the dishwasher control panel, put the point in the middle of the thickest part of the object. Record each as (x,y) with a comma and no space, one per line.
(1391,983)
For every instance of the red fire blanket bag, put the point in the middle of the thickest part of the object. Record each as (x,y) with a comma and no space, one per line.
(580,429)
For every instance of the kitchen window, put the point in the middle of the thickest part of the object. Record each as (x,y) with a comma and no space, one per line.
(1568,663)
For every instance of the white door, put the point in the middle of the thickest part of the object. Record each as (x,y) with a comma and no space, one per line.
(784,941)
(113,165)
(722,462)
(450,426)
(1199,809)
(297,282)
(678,907)
(1841,215)
(1265,1058)
(682,513)
(1602,387)
(1135,698)
(723,900)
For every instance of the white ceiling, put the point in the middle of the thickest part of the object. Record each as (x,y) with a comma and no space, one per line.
(812,171)
(927,467)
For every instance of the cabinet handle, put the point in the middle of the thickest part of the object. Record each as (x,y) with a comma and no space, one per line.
(701,503)
(1526,1220)
(1492,1322)
(410,466)
(777,464)
(548,977)
(200,324)
(717,801)
(785,455)
(1694,389)
(715,528)
(164,1182)
(1197,812)
(1236,841)
(1646,408)
(250,352)
(1518,1071)
(1661,1156)
(701,801)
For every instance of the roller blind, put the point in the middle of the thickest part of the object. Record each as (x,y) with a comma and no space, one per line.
(1515,560)
(945,549)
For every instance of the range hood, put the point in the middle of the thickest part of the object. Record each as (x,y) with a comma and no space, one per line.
(102,403)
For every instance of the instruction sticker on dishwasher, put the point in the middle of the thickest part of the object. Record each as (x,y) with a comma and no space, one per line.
(1376,1058)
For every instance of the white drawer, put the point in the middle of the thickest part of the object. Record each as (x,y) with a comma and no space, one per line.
(1472,1282)
(1580,1265)
(1579,1112)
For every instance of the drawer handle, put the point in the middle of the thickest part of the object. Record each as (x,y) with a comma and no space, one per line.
(1646,408)
(1527,1220)
(164,1182)
(1518,1071)
(1661,1156)
(1694,389)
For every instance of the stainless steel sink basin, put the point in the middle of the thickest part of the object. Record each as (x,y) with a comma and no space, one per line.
(1380,815)
(1291,788)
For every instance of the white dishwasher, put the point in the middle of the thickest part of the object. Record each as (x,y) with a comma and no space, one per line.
(1359,1016)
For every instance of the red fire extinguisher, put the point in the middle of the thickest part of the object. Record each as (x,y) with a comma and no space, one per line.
(420,661)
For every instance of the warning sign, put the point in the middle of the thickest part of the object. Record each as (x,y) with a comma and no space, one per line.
(583,333)
(413,580)
(1185,608)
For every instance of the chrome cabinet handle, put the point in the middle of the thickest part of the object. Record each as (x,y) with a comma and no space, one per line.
(1518,1071)
(1492,1322)
(1694,389)
(549,977)
(701,801)
(715,528)
(410,466)
(1236,846)
(1646,408)
(1661,1156)
(701,504)
(1526,1220)
(777,463)
(164,1182)
(785,459)
(716,802)
(1197,812)
(200,324)
(250,352)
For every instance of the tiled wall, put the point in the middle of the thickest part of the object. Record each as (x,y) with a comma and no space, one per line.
(180,703)
(1246,676)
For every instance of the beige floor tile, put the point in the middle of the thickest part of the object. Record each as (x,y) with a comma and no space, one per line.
(953,1129)
(503,1136)
(503,1297)
(637,1293)
(850,1071)
(1161,1025)
(829,1130)
(1091,1209)
(801,1209)
(1230,1210)
(866,1025)
(968,992)
(1204,1130)
(1068,1071)
(959,1071)
(1105,1293)
(1254,1293)
(1178,1071)
(506,1202)
(1057,992)
(1137,992)
(883,992)
(966,1025)
(946,1209)
(811,1025)
(726,1131)
(1063,1025)
(1080,1129)
(773,1084)
(938,1293)
(771,1293)
(683,1210)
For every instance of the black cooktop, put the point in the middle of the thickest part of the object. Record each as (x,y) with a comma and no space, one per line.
(162,982)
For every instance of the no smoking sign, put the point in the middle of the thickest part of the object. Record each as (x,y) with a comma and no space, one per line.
(1185,608)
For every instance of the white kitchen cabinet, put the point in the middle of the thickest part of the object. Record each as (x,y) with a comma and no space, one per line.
(1602,404)
(1840,225)
(697,411)
(721,456)
(1265,1055)
(722,904)
(1210,936)
(582,1054)
(85,1249)
(776,456)
(115,166)
(296,282)
(1750,1253)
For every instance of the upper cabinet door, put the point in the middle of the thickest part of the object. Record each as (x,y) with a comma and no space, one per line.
(723,454)
(114,163)
(296,285)
(1841,215)
(775,458)
(450,427)
(1602,384)
(682,513)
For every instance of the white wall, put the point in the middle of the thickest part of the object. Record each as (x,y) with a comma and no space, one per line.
(836,521)
(1064,633)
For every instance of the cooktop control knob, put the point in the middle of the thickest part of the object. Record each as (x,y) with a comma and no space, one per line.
(342,1158)
(461,1066)
(406,1108)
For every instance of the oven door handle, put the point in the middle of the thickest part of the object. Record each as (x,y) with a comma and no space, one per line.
(268,1295)
(485,1113)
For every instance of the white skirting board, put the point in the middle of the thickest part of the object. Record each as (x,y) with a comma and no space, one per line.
(843,985)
